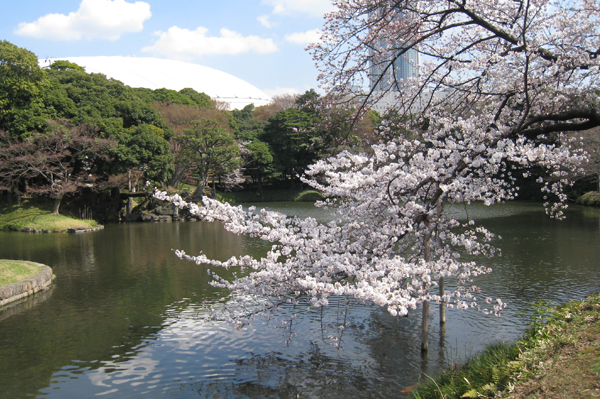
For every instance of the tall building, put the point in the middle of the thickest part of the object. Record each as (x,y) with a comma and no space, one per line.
(391,67)
(404,67)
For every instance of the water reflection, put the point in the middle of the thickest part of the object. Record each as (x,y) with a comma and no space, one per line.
(190,358)
(125,316)
(25,304)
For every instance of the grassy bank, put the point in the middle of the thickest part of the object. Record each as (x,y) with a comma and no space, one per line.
(591,198)
(12,271)
(558,357)
(37,215)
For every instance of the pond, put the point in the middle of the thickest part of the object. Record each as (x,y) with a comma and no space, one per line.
(124,316)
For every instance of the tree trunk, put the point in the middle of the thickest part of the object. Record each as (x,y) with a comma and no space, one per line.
(198,193)
(438,208)
(425,316)
(259,183)
(202,173)
(56,206)
(425,327)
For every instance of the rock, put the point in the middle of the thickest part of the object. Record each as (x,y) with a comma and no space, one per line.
(166,210)
(132,217)
(149,217)
(29,286)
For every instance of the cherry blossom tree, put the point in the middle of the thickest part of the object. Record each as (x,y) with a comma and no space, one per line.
(500,82)
(53,164)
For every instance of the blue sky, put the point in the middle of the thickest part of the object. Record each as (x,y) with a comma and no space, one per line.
(259,41)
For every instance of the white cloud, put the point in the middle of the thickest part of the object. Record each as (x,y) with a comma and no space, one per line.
(278,91)
(181,43)
(264,21)
(304,38)
(313,8)
(95,19)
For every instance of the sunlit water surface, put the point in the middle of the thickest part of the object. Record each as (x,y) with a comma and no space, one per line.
(124,317)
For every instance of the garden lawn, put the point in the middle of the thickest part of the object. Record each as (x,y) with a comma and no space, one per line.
(37,215)
(13,271)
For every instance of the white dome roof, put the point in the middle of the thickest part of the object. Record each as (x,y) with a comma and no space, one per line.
(157,73)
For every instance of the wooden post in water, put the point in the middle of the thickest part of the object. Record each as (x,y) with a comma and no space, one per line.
(425,327)
(425,316)
(438,206)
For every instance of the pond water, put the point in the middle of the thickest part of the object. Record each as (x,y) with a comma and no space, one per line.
(124,316)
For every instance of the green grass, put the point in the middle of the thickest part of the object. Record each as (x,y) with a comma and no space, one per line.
(37,214)
(484,374)
(591,198)
(558,355)
(14,271)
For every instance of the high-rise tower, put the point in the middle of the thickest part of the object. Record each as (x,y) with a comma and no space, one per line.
(404,67)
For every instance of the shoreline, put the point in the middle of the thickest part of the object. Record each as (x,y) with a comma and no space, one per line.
(29,286)
(557,357)
(45,231)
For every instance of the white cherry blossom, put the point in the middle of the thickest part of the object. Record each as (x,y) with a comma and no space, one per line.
(499,84)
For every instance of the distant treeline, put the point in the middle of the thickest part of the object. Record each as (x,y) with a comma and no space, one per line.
(62,129)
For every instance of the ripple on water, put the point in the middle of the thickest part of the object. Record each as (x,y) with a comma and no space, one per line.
(141,323)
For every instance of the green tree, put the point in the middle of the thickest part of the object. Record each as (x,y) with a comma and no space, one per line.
(22,87)
(185,96)
(256,154)
(202,100)
(292,138)
(62,65)
(244,124)
(258,162)
(211,150)
(143,149)
(180,117)
(93,98)
(163,96)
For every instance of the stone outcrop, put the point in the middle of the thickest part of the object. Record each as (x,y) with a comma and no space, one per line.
(29,286)
(84,229)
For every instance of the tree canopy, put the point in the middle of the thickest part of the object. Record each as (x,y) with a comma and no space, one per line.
(210,150)
(22,86)
(53,164)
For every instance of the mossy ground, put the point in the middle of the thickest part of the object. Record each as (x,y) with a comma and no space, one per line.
(591,198)
(12,271)
(558,357)
(37,214)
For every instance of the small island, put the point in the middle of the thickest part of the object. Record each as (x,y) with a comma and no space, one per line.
(19,278)
(35,216)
